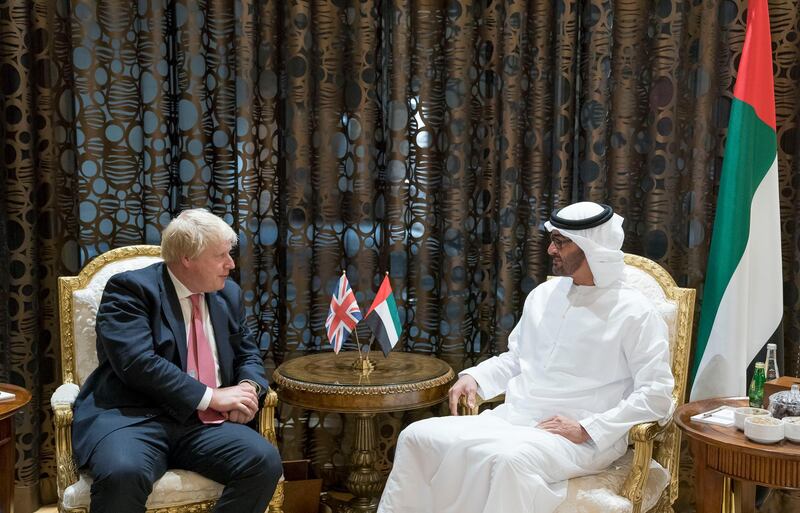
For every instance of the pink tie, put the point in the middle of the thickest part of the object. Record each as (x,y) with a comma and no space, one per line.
(201,361)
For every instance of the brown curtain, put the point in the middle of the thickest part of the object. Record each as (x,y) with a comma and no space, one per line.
(37,229)
(426,139)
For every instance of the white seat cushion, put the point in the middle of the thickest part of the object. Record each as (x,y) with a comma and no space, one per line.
(599,493)
(175,488)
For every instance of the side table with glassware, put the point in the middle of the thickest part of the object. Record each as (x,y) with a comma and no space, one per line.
(729,464)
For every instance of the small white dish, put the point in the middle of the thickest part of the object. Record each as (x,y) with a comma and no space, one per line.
(791,429)
(763,429)
(739,414)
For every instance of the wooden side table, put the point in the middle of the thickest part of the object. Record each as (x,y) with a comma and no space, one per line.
(7,451)
(724,452)
(329,382)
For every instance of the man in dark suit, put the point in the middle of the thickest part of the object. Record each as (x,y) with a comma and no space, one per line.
(179,376)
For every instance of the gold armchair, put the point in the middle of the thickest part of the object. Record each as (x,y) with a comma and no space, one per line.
(178,491)
(646,478)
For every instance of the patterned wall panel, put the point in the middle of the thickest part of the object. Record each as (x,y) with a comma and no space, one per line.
(426,139)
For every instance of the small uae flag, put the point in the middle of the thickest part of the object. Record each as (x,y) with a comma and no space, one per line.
(383,319)
(344,314)
(743,295)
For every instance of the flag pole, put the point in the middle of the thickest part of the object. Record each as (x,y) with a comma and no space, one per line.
(358,345)
(355,330)
(385,275)
(362,365)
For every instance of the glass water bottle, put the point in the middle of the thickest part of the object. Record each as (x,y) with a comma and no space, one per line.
(756,391)
(771,363)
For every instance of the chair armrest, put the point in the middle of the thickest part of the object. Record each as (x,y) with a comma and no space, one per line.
(464,409)
(646,432)
(66,473)
(642,436)
(266,426)
(266,418)
(64,395)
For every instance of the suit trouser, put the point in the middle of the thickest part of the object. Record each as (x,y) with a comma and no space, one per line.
(126,463)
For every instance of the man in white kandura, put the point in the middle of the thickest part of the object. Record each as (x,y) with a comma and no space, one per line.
(588,360)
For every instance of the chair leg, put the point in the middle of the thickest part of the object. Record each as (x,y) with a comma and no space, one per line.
(633,488)
(663,505)
(276,504)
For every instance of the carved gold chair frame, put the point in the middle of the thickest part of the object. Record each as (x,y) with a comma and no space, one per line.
(66,473)
(651,440)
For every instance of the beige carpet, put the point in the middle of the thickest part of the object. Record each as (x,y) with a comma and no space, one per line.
(47,509)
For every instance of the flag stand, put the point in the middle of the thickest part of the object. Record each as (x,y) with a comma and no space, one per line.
(363,365)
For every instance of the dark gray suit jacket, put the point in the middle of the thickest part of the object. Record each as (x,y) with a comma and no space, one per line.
(141,347)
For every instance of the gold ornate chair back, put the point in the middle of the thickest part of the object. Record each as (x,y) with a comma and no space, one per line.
(677,306)
(178,491)
(647,476)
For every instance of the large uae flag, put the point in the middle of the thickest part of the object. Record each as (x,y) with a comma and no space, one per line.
(743,297)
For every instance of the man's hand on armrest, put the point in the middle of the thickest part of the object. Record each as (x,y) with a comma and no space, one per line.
(570,429)
(466,386)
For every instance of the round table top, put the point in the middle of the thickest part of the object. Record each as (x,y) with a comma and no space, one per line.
(729,437)
(328,382)
(9,407)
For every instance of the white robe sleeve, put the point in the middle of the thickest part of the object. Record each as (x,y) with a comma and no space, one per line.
(494,374)
(647,352)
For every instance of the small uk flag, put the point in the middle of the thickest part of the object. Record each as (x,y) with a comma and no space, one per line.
(344,314)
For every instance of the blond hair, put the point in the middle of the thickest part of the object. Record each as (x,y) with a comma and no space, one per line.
(192,232)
